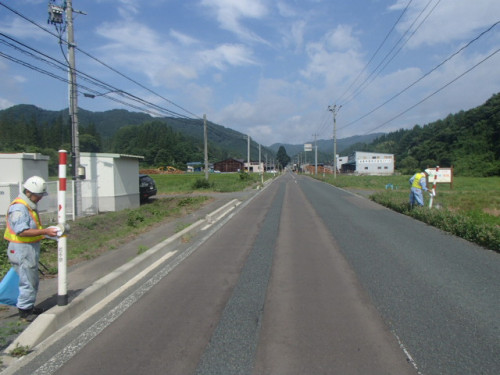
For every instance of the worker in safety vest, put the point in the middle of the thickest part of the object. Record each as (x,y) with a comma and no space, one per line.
(417,184)
(24,232)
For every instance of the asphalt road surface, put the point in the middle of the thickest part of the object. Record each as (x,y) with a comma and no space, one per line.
(304,279)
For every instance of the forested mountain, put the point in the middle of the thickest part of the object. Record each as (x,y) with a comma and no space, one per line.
(26,128)
(468,140)
(325,147)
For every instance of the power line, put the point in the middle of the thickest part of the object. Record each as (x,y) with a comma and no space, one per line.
(376,52)
(33,53)
(375,73)
(61,39)
(435,92)
(65,80)
(424,76)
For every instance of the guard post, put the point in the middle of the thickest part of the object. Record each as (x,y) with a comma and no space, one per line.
(62,283)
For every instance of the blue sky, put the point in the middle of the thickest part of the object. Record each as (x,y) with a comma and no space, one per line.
(267,68)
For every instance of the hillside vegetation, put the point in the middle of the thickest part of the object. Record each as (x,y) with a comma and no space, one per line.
(468,140)
(162,141)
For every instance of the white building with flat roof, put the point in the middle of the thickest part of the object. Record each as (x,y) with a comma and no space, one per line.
(369,163)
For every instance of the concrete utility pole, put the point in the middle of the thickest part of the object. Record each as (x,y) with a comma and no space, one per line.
(73,110)
(248,153)
(315,155)
(206,145)
(260,165)
(334,110)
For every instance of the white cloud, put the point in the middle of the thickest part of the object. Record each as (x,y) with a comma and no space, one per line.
(18,28)
(183,39)
(285,10)
(128,8)
(334,58)
(228,54)
(294,35)
(274,114)
(137,47)
(341,38)
(450,21)
(5,103)
(230,14)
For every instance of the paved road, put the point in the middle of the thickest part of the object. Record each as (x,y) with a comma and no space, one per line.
(305,279)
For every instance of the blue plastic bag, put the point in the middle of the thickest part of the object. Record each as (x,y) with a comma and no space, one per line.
(9,288)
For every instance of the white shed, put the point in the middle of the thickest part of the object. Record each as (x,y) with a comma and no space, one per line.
(17,168)
(116,179)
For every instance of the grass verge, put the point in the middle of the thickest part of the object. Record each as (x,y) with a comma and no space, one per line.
(93,235)
(469,209)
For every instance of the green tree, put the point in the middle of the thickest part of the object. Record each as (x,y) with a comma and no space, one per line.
(282,157)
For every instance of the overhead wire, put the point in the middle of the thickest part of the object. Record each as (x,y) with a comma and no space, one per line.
(468,44)
(435,92)
(376,52)
(61,39)
(65,80)
(339,99)
(36,54)
(151,109)
(376,72)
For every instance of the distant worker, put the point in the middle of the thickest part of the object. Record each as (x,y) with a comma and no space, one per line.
(24,232)
(417,184)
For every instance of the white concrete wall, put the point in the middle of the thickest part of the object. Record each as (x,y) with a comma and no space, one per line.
(374,163)
(117,178)
(19,167)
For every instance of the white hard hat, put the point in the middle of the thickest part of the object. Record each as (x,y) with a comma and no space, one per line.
(36,185)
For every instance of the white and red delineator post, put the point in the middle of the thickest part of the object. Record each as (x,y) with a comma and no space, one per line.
(62,283)
(433,193)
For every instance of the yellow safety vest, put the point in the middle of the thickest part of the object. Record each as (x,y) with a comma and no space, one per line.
(416,180)
(11,236)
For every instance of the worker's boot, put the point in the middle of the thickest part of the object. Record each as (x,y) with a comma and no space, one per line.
(28,315)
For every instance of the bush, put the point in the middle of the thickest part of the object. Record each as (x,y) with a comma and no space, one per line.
(244,175)
(202,183)
(483,234)
(134,218)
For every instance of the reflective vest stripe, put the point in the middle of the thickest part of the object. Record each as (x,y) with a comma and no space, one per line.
(416,180)
(11,236)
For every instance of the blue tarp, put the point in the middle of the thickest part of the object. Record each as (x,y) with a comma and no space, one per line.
(9,288)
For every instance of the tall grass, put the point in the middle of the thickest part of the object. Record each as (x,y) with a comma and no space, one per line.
(90,236)
(217,182)
(469,209)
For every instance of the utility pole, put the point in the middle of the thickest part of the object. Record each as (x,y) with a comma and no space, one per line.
(248,153)
(206,145)
(260,163)
(73,108)
(56,18)
(334,109)
(315,155)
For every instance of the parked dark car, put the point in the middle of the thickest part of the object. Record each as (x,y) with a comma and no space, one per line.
(147,187)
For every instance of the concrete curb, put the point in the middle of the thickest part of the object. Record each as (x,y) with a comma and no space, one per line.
(57,317)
